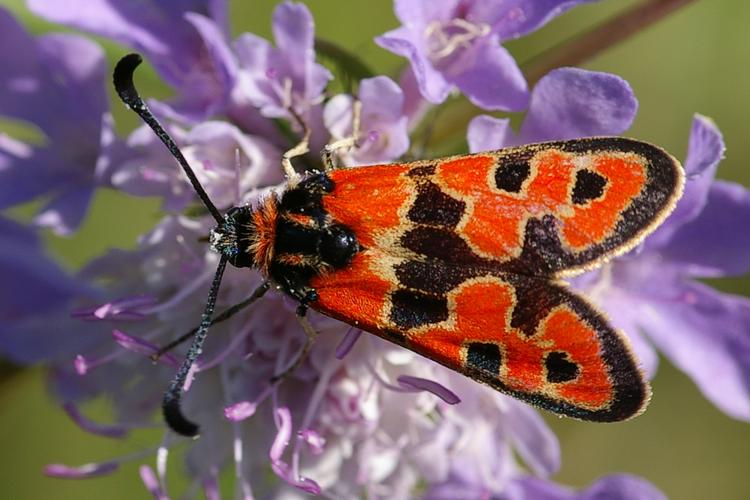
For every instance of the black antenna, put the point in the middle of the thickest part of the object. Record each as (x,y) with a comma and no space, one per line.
(123,80)
(171,403)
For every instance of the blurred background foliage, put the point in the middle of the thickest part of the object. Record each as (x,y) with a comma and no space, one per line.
(697,60)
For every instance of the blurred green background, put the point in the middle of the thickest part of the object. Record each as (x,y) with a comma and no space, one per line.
(697,60)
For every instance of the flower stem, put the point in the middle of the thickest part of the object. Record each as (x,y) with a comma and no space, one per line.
(587,45)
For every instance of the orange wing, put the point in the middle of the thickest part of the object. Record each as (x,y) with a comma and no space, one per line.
(460,259)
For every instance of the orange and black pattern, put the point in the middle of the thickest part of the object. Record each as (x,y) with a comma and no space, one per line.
(459,259)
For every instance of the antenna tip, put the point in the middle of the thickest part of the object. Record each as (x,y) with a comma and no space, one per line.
(175,419)
(123,78)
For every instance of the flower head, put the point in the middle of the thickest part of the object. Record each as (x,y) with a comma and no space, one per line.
(456,44)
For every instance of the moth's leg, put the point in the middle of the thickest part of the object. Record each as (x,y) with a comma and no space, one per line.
(301,148)
(302,354)
(331,150)
(226,314)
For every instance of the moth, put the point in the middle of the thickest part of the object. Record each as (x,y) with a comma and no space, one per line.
(459,259)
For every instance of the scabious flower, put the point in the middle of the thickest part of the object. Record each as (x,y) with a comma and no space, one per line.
(455,44)
(360,417)
(185,41)
(55,82)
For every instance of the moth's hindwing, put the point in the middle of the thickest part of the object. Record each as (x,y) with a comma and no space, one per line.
(461,258)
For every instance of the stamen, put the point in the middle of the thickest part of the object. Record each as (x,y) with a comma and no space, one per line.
(237,444)
(124,309)
(152,483)
(408,383)
(280,443)
(444,38)
(347,343)
(81,472)
(94,469)
(422,384)
(112,430)
(141,346)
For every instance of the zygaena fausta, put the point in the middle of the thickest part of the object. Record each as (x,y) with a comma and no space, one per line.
(457,259)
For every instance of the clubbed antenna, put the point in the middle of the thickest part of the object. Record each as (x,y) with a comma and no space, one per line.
(171,404)
(123,80)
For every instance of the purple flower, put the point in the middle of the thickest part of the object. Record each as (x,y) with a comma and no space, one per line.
(456,44)
(383,129)
(566,103)
(57,80)
(34,289)
(185,41)
(654,291)
(277,78)
(360,417)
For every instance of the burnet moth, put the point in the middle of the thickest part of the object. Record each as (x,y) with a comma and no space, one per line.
(458,259)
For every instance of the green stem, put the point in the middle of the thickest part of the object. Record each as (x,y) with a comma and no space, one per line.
(595,41)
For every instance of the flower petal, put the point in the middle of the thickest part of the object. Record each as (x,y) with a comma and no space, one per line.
(493,80)
(515,18)
(486,133)
(710,244)
(706,334)
(569,103)
(705,151)
(432,84)
(184,50)
(532,439)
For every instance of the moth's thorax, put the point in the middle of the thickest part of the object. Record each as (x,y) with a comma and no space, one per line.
(306,240)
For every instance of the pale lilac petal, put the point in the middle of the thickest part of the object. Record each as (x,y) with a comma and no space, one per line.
(532,439)
(625,319)
(240,411)
(112,430)
(81,472)
(706,334)
(515,18)
(569,103)
(711,243)
(432,84)
(382,99)
(294,31)
(705,151)
(494,81)
(487,133)
(423,384)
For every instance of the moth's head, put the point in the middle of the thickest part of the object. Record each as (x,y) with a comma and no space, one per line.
(234,237)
